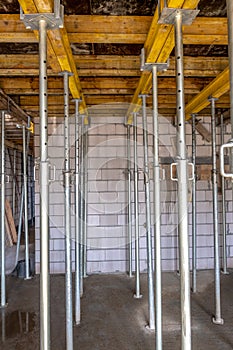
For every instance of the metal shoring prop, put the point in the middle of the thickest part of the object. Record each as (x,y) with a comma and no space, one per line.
(43,22)
(157,213)
(182,190)
(85,174)
(217,319)
(224,234)
(81,202)
(77,245)
(137,294)
(44,193)
(230,50)
(151,325)
(3,257)
(25,179)
(129,216)
(67,194)
(194,215)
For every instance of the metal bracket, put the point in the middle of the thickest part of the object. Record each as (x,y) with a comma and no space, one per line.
(53,168)
(54,20)
(7,179)
(228,145)
(168,15)
(175,178)
(35,168)
(171,172)
(144,66)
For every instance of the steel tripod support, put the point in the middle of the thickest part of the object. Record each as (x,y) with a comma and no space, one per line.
(217,319)
(67,196)
(3,256)
(137,294)
(77,220)
(151,325)
(43,22)
(129,217)
(194,216)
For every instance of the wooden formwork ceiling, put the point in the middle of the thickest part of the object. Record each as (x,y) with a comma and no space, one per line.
(101,43)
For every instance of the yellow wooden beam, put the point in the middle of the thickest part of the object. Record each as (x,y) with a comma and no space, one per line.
(218,87)
(158,47)
(60,46)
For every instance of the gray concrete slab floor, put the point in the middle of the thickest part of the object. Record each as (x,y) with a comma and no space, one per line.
(112,319)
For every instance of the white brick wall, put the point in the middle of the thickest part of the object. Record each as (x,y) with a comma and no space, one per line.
(107,198)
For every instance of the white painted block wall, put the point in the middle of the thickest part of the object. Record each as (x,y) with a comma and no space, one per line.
(107,198)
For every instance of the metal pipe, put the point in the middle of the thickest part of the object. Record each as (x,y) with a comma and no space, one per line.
(157,214)
(230,53)
(44,193)
(3,314)
(3,257)
(21,211)
(136,212)
(217,319)
(85,174)
(182,190)
(129,203)
(148,218)
(67,194)
(224,234)
(194,223)
(81,192)
(77,245)
(14,183)
(27,261)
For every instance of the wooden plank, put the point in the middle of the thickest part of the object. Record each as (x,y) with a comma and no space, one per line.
(10,221)
(8,238)
(199,66)
(109,38)
(11,23)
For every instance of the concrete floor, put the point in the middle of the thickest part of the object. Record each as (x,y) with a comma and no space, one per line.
(112,319)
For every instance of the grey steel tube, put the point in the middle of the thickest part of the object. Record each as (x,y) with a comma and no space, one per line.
(81,201)
(44,193)
(230,53)
(67,194)
(25,178)
(217,319)
(194,221)
(3,257)
(224,234)
(129,203)
(157,214)
(182,191)
(85,174)
(148,218)
(14,183)
(77,245)
(21,210)
(136,212)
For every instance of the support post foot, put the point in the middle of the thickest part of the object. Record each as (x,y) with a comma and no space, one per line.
(218,321)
